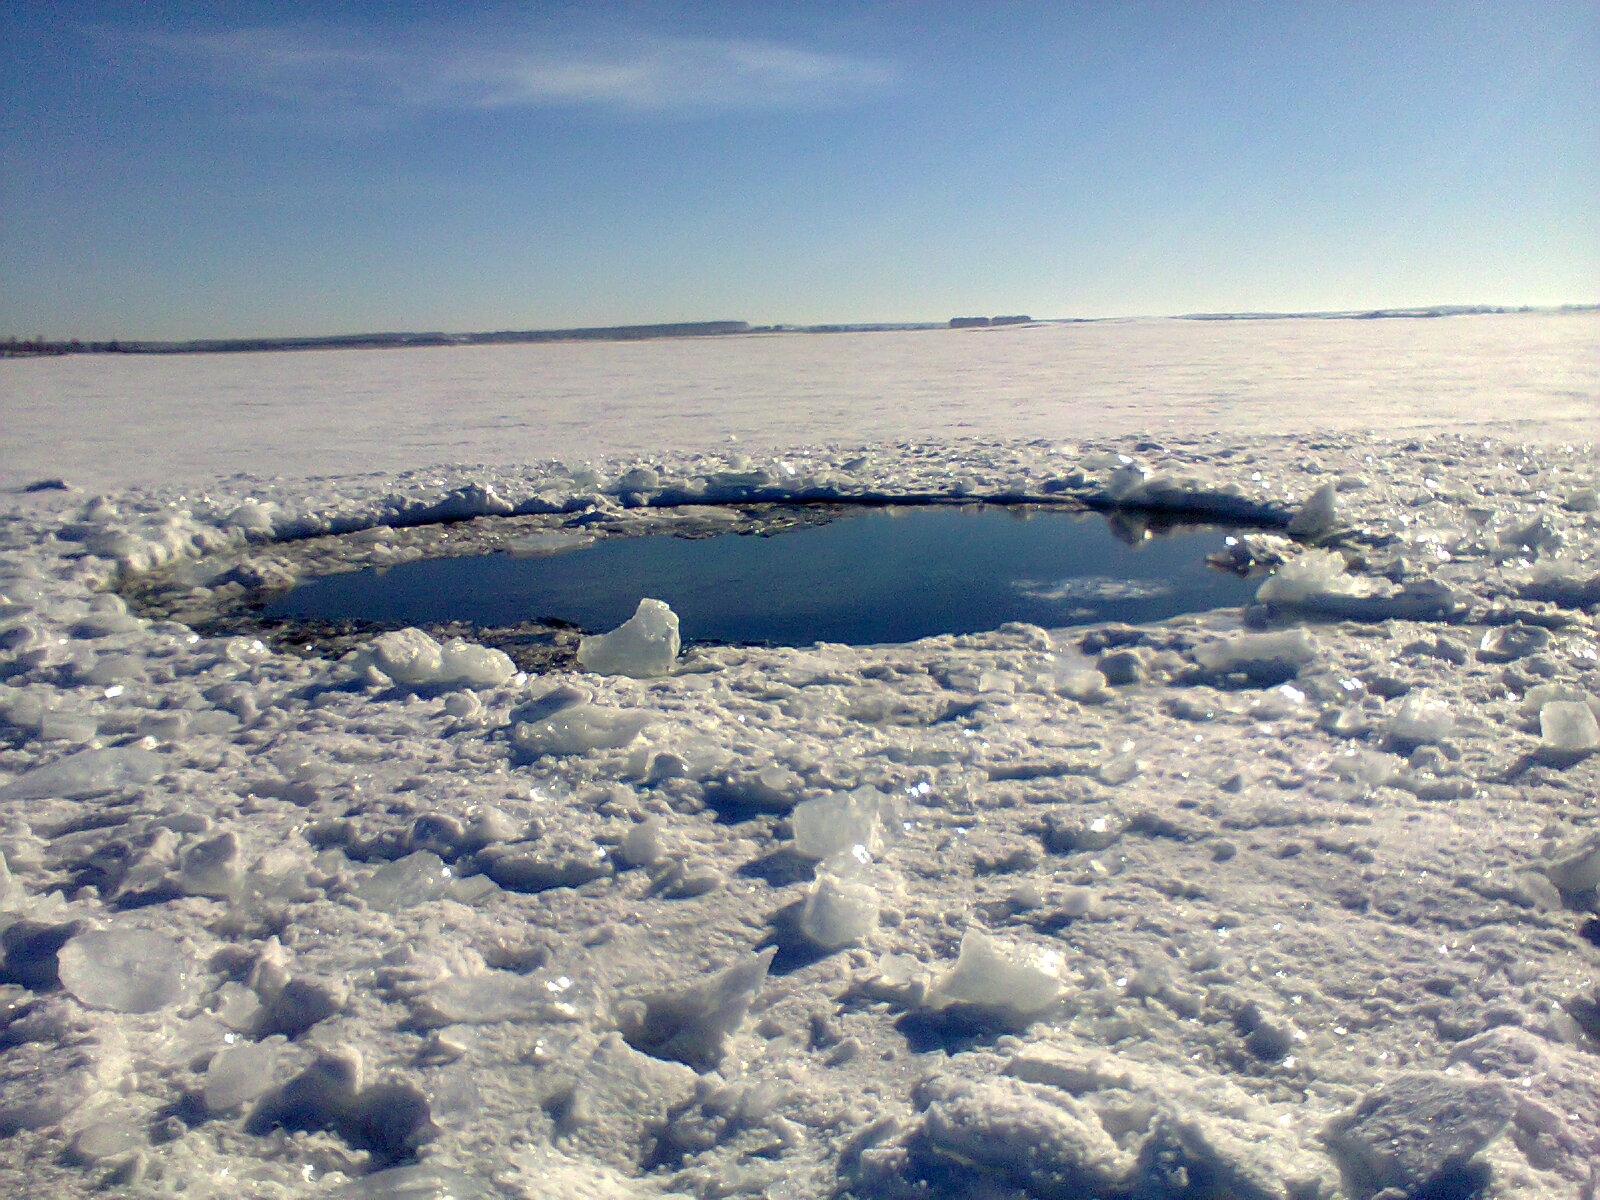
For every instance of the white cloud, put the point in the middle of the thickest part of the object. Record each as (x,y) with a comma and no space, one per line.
(332,71)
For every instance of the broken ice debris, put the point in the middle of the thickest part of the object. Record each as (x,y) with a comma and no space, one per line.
(12,893)
(830,824)
(1264,657)
(1513,641)
(641,845)
(1420,720)
(1575,867)
(214,867)
(579,729)
(1039,1140)
(41,1082)
(644,645)
(415,879)
(1418,1134)
(489,997)
(693,1024)
(839,910)
(85,774)
(1306,577)
(125,970)
(246,1071)
(1008,981)
(1318,514)
(389,1119)
(422,1181)
(1569,727)
(409,658)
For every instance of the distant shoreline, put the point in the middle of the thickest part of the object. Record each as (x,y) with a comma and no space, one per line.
(689,329)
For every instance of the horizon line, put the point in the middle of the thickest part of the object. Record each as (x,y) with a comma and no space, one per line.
(729,327)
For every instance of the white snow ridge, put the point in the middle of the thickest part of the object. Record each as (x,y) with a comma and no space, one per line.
(1290,902)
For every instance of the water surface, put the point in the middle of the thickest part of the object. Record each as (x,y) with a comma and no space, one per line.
(871,575)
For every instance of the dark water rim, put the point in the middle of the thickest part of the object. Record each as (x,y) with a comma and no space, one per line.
(253,576)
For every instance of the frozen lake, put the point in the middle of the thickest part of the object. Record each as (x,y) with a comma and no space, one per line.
(1231,904)
(103,420)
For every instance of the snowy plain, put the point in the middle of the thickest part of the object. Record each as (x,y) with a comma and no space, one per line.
(1296,901)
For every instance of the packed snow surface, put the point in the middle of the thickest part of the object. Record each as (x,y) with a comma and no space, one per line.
(1294,902)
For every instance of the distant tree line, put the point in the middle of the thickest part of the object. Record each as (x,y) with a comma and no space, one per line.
(18,347)
(985,322)
(15,347)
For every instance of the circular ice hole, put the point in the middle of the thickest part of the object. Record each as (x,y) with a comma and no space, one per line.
(863,576)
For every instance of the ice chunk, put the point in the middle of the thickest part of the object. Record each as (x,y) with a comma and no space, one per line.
(409,658)
(246,1071)
(102,1140)
(1268,657)
(492,996)
(1318,514)
(618,1101)
(1583,500)
(1010,981)
(1575,867)
(1314,573)
(85,774)
(1421,719)
(423,1181)
(466,664)
(839,911)
(693,1024)
(1119,767)
(1513,641)
(1569,727)
(1085,685)
(214,867)
(546,543)
(579,729)
(1365,766)
(252,515)
(415,879)
(644,645)
(12,893)
(563,860)
(125,970)
(639,479)
(1536,697)
(1023,1140)
(772,788)
(829,824)
(641,845)
(389,1119)
(297,1005)
(1418,1133)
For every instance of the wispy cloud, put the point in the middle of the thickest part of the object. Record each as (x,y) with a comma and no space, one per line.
(349,74)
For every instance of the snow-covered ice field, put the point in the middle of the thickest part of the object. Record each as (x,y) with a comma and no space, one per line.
(1296,901)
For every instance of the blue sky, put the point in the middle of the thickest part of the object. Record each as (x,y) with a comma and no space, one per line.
(175,170)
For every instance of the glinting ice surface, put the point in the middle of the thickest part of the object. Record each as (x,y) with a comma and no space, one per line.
(126,970)
(1289,938)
